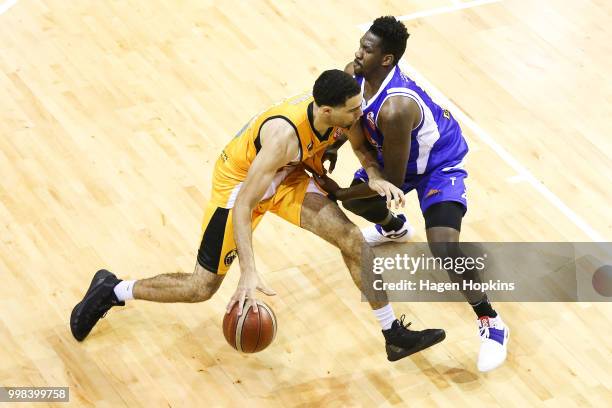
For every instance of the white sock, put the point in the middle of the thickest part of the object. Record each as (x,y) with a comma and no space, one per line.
(123,290)
(385,316)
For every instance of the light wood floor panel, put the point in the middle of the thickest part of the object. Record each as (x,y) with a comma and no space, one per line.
(111,117)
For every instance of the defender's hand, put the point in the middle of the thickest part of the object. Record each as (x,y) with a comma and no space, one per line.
(389,191)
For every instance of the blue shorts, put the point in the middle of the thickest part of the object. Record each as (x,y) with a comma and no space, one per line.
(443,183)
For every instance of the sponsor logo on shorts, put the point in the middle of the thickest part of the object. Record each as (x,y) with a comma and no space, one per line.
(432,192)
(230,256)
(309,147)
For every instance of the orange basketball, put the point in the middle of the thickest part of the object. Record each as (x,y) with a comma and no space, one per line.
(251,332)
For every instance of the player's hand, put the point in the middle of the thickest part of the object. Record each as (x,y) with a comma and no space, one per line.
(393,194)
(327,184)
(246,292)
(330,155)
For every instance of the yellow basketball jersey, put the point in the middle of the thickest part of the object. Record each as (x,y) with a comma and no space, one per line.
(237,156)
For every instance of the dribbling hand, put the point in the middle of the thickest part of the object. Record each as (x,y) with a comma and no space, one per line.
(246,292)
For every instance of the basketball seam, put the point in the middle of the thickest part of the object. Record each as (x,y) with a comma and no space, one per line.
(273,317)
(258,329)
(239,329)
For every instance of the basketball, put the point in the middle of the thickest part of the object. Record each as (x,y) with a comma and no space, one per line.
(251,332)
(602,280)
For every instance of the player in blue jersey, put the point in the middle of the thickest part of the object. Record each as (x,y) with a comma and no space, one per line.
(420,147)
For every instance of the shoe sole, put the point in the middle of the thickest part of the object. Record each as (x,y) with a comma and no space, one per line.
(97,279)
(401,240)
(406,352)
(407,237)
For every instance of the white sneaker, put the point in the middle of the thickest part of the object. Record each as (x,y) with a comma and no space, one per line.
(375,235)
(494,335)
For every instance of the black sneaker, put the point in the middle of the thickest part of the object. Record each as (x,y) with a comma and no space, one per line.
(100,297)
(402,342)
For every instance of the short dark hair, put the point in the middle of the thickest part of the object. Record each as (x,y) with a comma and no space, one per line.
(333,87)
(393,36)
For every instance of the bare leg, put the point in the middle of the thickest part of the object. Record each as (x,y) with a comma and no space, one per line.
(179,287)
(324,218)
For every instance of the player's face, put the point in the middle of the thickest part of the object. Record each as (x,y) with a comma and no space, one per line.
(369,56)
(345,116)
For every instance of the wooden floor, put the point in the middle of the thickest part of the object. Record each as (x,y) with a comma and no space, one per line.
(113,112)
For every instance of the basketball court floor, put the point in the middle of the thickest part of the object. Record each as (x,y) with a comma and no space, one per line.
(112,114)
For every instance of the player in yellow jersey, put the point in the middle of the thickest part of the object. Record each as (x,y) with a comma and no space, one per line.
(264,168)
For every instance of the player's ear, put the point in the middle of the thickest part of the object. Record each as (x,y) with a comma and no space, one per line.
(326,110)
(388,60)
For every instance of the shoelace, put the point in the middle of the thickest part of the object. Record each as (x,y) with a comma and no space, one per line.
(401,320)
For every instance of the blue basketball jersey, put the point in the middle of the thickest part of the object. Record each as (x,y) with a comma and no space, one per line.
(436,141)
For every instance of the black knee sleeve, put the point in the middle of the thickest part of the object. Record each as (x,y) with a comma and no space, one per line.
(445,214)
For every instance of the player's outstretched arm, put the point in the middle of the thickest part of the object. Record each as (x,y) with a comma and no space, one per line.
(278,147)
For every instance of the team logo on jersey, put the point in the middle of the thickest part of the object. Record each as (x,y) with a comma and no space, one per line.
(230,256)
(446,114)
(370,119)
(432,192)
(371,140)
(337,134)
(372,124)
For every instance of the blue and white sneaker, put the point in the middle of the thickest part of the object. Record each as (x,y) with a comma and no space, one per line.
(494,335)
(375,235)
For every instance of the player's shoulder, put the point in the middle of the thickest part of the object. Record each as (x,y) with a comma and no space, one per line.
(278,129)
(398,105)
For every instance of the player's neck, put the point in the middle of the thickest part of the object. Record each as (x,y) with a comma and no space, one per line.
(319,123)
(374,81)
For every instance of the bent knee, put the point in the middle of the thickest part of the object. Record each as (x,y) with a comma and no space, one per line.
(202,285)
(198,294)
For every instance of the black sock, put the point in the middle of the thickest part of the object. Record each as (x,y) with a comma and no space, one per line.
(394,224)
(484,308)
